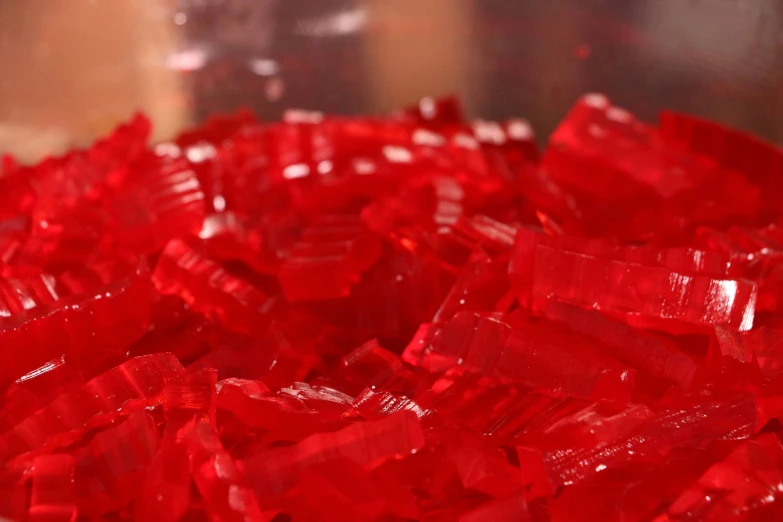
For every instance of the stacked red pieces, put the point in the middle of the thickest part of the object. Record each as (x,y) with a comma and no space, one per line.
(415,317)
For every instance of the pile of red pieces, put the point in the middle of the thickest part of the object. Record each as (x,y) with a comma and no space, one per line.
(406,318)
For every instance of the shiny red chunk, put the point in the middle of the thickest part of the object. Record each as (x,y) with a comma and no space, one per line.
(411,317)
(528,355)
(210,289)
(109,468)
(224,490)
(45,319)
(642,294)
(634,434)
(131,386)
(368,444)
(329,259)
(747,479)
(289,414)
(161,199)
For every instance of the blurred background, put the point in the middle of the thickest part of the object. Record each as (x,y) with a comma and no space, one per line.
(71,69)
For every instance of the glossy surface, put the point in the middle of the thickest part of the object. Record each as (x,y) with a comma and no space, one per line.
(415,317)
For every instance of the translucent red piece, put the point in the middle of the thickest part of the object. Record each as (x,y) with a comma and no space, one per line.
(15,498)
(528,355)
(374,405)
(52,495)
(368,444)
(582,140)
(643,351)
(631,436)
(338,490)
(160,198)
(479,465)
(42,322)
(289,414)
(133,385)
(513,507)
(223,489)
(328,259)
(437,111)
(482,286)
(109,468)
(189,399)
(36,389)
(756,160)
(273,357)
(369,365)
(165,493)
(642,295)
(747,479)
(210,289)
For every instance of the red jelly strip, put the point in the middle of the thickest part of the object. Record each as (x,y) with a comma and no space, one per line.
(640,438)
(88,329)
(521,355)
(749,477)
(290,414)
(329,259)
(189,399)
(644,351)
(110,467)
(374,405)
(210,289)
(642,295)
(368,444)
(370,365)
(133,385)
(161,199)
(223,488)
(581,150)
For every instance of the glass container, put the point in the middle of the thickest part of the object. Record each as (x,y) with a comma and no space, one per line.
(74,68)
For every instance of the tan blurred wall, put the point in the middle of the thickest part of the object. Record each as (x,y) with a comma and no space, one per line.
(72,68)
(417,48)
